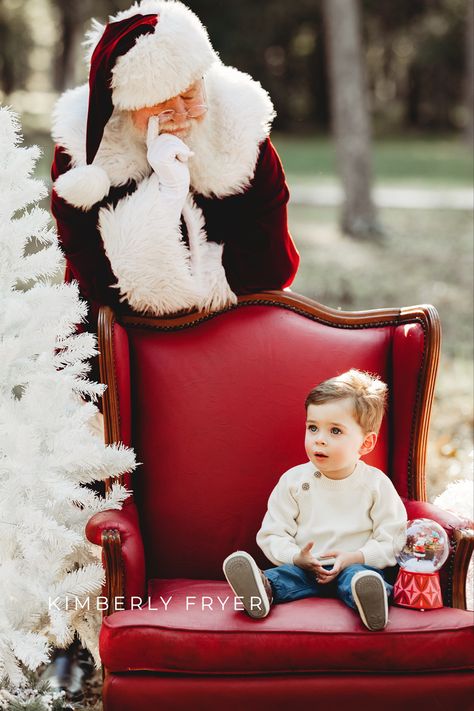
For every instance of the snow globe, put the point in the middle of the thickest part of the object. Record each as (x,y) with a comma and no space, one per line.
(425,550)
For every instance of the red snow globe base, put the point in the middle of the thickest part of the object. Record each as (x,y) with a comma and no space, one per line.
(419,590)
(425,550)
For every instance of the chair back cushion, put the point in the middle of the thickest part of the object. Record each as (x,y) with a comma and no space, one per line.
(217,412)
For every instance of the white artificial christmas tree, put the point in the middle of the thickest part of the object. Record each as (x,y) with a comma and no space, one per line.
(47,447)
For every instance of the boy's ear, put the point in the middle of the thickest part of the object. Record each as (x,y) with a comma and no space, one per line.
(368,444)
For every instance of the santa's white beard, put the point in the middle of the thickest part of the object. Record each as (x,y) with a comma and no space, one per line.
(182,130)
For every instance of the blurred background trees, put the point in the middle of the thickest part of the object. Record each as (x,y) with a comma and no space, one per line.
(350,115)
(414,51)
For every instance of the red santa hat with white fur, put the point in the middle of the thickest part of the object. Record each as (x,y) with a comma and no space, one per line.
(149,53)
(145,55)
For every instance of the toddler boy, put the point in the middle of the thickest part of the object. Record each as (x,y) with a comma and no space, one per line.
(334,523)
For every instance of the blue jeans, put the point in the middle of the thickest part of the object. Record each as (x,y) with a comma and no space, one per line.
(292,583)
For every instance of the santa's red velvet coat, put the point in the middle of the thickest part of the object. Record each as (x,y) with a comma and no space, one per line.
(118,243)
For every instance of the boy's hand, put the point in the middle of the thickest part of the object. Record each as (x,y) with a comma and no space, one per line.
(305,560)
(342,560)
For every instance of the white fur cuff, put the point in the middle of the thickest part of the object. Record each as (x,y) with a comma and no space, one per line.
(217,292)
(83,186)
(143,241)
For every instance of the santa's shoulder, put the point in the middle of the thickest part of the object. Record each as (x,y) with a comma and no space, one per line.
(227,144)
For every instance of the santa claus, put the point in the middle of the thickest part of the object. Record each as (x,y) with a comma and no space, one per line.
(168,192)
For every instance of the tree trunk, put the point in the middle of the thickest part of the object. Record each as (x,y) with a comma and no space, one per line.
(71,17)
(350,116)
(470,72)
(413,96)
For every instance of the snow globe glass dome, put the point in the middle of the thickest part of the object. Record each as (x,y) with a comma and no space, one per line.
(426,547)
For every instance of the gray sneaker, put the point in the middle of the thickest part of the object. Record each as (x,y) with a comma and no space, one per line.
(370,596)
(248,583)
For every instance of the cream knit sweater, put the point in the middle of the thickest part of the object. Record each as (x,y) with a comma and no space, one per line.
(360,513)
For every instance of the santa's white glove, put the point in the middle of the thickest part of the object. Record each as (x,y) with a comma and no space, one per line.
(168,156)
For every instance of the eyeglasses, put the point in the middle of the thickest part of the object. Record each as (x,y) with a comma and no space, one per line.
(193,112)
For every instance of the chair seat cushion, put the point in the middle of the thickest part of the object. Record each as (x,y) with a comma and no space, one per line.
(200,632)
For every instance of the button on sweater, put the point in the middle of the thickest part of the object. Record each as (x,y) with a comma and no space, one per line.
(362,512)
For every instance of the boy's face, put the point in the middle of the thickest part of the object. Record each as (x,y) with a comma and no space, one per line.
(334,441)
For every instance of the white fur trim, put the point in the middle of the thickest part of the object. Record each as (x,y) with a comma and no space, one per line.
(218,294)
(225,144)
(93,35)
(156,272)
(84,186)
(206,262)
(144,245)
(163,63)
(122,154)
(69,123)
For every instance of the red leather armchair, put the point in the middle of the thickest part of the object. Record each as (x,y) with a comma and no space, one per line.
(213,405)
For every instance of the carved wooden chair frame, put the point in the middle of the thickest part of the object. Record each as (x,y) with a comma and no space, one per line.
(426,315)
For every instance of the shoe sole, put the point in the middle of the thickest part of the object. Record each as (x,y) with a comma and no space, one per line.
(244,578)
(371,599)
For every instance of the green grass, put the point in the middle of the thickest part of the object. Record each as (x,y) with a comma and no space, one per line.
(416,161)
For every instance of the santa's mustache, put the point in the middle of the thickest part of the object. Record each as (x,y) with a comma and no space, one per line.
(172,126)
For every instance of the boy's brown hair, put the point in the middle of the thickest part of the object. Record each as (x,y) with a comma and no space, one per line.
(367,391)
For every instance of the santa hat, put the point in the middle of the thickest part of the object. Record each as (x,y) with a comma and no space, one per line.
(145,55)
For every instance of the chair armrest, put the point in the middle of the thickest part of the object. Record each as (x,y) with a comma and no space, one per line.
(118,532)
(461,536)
(464,549)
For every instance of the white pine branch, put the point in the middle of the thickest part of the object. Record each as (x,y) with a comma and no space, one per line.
(48,449)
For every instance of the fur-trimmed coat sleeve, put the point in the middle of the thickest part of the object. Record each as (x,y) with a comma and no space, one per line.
(86,261)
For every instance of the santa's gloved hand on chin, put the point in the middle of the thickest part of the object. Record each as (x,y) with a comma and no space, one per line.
(168,156)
